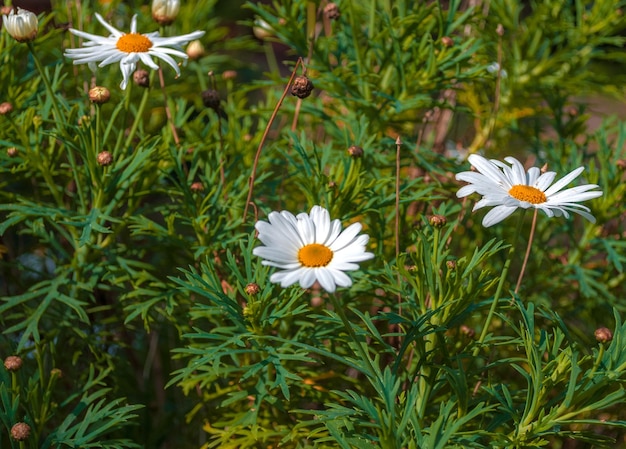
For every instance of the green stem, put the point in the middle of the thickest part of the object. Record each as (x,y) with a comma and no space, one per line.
(46,81)
(142,106)
(361,347)
(496,297)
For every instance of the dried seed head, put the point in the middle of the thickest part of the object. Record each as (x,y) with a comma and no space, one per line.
(437,221)
(252,289)
(141,78)
(12,152)
(104,158)
(331,11)
(197,186)
(195,50)
(603,335)
(13,363)
(355,152)
(5,108)
(447,41)
(211,99)
(20,431)
(301,87)
(99,95)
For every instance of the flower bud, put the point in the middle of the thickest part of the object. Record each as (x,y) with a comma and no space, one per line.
(229,74)
(196,186)
(195,50)
(104,158)
(164,12)
(13,363)
(20,431)
(252,289)
(5,108)
(12,151)
(261,29)
(447,41)
(331,11)
(99,95)
(603,335)
(22,26)
(301,87)
(621,164)
(451,264)
(437,221)
(355,152)
(467,331)
(141,78)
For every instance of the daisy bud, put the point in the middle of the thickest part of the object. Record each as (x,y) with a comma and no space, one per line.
(56,372)
(5,10)
(252,289)
(500,30)
(467,331)
(195,50)
(20,431)
(603,335)
(437,221)
(331,11)
(301,87)
(104,158)
(196,187)
(22,26)
(99,95)
(229,74)
(141,78)
(13,363)
(262,30)
(5,108)
(332,184)
(451,264)
(355,152)
(12,151)
(164,12)
(621,164)
(447,41)
(211,99)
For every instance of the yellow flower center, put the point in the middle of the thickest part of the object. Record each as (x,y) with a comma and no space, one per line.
(315,255)
(528,194)
(134,43)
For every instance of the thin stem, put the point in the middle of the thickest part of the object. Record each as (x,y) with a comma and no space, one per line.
(397,207)
(142,106)
(46,81)
(168,112)
(265,133)
(339,309)
(496,297)
(530,243)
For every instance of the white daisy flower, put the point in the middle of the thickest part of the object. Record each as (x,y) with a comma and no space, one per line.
(310,248)
(509,188)
(129,48)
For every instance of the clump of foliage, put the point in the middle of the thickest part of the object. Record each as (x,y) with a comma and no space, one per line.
(135,314)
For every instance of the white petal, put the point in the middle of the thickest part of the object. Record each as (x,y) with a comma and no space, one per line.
(497,214)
